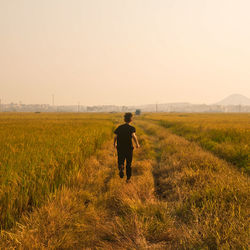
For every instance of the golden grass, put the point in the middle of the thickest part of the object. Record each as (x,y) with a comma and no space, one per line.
(98,210)
(226,135)
(180,197)
(38,155)
(208,197)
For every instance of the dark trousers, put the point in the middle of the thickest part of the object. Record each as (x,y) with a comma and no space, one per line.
(125,154)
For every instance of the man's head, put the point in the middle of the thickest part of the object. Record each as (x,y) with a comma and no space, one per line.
(128,117)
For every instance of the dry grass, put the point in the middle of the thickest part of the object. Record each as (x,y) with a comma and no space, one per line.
(38,155)
(208,197)
(180,197)
(99,210)
(225,135)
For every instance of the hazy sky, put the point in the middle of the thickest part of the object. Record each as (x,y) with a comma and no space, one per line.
(123,51)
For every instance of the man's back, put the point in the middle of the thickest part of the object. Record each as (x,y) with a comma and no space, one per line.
(124,136)
(123,143)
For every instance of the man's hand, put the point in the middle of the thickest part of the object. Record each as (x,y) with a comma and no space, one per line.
(135,140)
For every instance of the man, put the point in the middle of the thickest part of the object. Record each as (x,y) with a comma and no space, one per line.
(123,142)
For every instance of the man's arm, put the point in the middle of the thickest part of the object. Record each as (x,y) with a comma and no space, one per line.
(115,140)
(135,140)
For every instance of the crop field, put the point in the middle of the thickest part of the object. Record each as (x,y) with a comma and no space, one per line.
(226,135)
(39,153)
(60,188)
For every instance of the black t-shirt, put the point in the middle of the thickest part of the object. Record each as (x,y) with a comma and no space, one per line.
(124,136)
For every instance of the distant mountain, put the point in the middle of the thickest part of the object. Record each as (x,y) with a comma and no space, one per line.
(235,99)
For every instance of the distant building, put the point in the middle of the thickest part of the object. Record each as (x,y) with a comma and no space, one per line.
(137,112)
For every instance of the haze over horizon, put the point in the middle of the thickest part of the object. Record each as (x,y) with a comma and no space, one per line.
(120,52)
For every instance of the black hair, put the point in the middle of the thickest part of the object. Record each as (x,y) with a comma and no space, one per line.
(128,117)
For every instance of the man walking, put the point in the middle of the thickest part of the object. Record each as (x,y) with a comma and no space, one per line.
(123,142)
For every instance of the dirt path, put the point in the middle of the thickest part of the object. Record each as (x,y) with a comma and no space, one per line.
(206,196)
(179,197)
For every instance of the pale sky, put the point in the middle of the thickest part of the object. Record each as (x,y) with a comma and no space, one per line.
(123,52)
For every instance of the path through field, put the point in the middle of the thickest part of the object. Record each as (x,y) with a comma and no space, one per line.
(180,197)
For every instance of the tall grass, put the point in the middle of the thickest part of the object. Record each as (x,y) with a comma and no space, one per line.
(180,197)
(208,198)
(98,210)
(39,153)
(226,135)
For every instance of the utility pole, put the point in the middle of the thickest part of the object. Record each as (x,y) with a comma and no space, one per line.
(0,105)
(156,107)
(78,107)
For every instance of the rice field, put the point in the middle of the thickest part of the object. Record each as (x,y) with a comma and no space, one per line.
(60,187)
(225,135)
(38,155)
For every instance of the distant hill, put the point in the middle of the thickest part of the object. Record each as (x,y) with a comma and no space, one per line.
(235,99)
